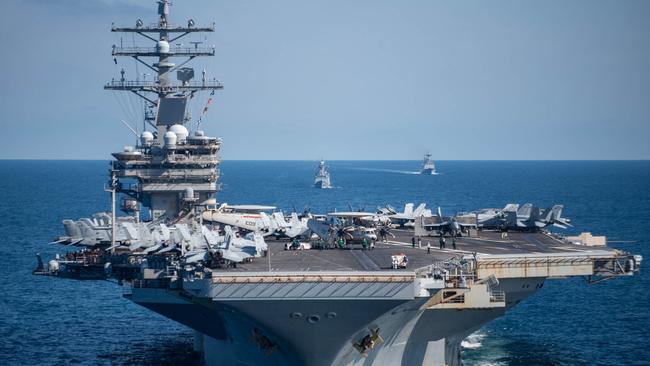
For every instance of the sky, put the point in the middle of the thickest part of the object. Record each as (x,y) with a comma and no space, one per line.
(345,79)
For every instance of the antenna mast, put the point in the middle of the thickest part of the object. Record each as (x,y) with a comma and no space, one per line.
(169,166)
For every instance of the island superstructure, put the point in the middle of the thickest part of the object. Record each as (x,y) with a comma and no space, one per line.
(253,302)
(322,179)
(170,167)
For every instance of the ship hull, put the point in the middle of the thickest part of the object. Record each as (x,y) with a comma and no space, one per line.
(321,331)
(322,184)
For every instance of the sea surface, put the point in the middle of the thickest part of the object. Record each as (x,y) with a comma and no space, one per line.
(568,322)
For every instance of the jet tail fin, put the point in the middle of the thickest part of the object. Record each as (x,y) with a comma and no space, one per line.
(419,210)
(294,219)
(408,209)
(511,207)
(556,212)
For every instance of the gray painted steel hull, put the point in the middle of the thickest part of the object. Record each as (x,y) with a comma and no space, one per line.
(411,336)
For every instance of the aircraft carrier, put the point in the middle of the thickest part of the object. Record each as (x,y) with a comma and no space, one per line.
(253,302)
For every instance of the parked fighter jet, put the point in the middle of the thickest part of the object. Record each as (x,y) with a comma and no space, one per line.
(206,245)
(297,227)
(278,226)
(90,231)
(554,217)
(407,217)
(97,231)
(446,225)
(343,225)
(532,217)
(237,249)
(524,217)
(193,242)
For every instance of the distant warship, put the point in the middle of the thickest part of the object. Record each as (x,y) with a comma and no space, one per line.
(428,167)
(322,179)
(351,300)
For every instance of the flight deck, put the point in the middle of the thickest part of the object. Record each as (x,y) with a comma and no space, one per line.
(354,258)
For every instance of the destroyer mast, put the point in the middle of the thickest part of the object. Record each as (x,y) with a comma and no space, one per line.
(170,167)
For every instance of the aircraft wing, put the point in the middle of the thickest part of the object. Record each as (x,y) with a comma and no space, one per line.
(168,248)
(61,240)
(320,228)
(135,245)
(297,230)
(233,256)
(400,216)
(75,242)
(116,245)
(251,208)
(351,214)
(437,225)
(466,221)
(153,248)
(240,220)
(434,221)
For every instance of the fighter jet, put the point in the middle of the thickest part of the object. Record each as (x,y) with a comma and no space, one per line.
(525,217)
(447,225)
(278,226)
(97,230)
(343,225)
(532,217)
(297,227)
(206,245)
(407,217)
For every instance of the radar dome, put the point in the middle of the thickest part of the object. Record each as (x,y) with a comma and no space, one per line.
(146,138)
(180,131)
(162,46)
(170,140)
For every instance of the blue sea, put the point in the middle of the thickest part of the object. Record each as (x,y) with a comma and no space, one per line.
(568,322)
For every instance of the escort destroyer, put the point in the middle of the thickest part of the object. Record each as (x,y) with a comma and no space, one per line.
(322,179)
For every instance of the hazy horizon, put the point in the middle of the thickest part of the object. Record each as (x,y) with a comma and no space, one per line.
(353,160)
(346,80)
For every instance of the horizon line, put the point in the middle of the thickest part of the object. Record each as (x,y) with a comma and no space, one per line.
(312,160)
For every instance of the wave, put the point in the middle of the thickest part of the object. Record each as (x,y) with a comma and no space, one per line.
(388,170)
(473,341)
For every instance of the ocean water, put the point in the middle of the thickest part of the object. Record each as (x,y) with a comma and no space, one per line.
(568,322)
